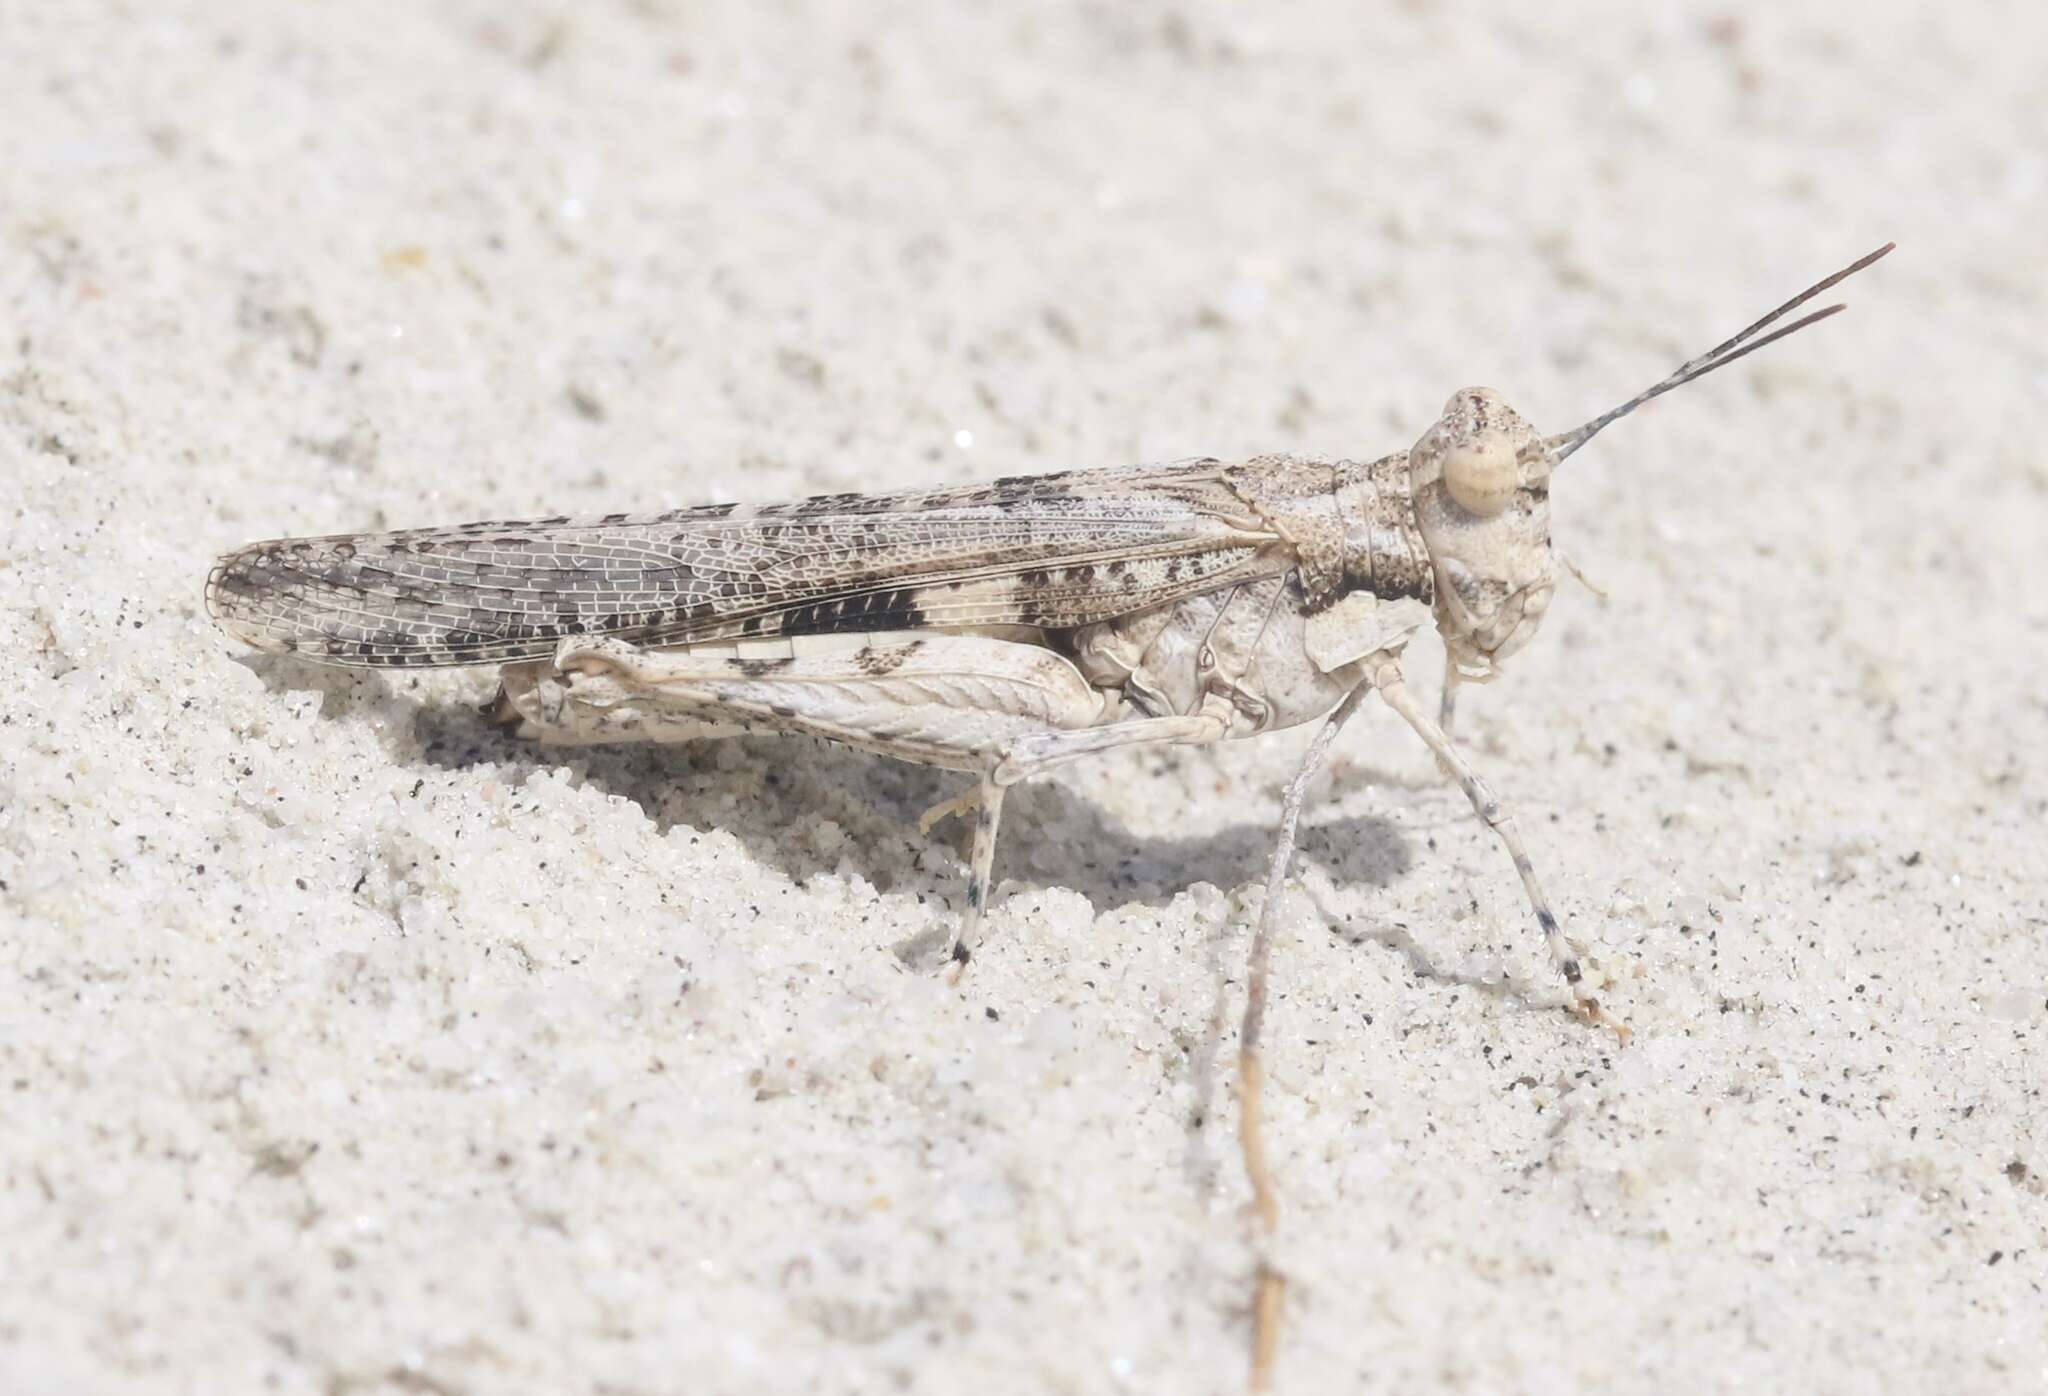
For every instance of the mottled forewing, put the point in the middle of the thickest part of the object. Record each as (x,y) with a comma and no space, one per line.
(1051,551)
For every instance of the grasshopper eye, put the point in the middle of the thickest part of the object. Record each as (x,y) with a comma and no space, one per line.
(1481,474)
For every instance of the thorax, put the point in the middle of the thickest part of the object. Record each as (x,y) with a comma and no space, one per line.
(1280,650)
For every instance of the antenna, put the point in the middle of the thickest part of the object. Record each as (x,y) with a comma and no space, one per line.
(1720,356)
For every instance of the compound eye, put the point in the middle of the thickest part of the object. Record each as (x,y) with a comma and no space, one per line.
(1481,474)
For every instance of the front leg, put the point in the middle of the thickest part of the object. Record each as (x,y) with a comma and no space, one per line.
(1387,679)
(1447,703)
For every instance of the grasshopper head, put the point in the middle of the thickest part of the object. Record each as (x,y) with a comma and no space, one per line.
(1480,481)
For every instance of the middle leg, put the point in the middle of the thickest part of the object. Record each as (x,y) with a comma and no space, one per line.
(1034,755)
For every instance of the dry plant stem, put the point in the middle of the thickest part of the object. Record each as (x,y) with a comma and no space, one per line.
(1269,1287)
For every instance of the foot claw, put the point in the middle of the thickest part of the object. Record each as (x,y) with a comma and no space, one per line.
(1587,1009)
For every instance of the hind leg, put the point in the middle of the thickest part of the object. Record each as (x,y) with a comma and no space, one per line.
(953,702)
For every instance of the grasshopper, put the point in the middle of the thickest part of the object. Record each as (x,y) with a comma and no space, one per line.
(1000,629)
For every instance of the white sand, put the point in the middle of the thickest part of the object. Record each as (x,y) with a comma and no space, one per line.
(347,1047)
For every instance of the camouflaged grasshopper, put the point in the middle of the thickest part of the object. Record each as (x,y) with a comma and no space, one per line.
(1000,629)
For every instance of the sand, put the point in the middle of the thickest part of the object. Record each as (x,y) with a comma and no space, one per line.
(349,1046)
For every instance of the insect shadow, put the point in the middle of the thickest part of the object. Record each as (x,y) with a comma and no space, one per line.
(1057,837)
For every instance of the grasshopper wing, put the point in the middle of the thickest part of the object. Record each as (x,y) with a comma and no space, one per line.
(1048,551)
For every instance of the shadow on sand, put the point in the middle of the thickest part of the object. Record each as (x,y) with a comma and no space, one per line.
(793,782)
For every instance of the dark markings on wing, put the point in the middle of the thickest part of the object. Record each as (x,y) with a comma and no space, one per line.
(1049,550)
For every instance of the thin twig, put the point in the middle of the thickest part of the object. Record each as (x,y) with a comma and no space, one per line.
(1269,1286)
